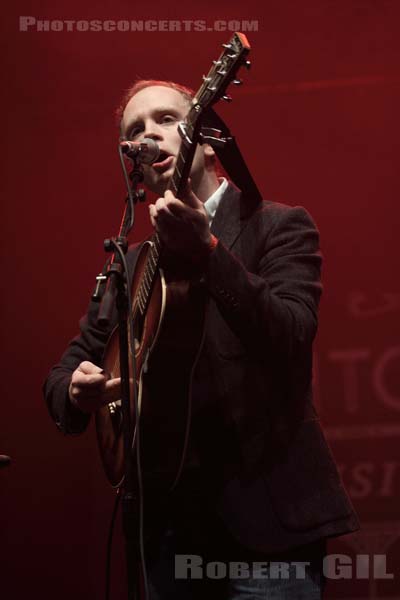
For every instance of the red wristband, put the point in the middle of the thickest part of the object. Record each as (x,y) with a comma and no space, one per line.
(213,243)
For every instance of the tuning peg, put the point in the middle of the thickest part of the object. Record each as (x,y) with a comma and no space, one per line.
(237,82)
(247,64)
(217,63)
(227,98)
(206,78)
(227,46)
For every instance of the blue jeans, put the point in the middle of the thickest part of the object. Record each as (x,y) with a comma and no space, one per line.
(193,557)
(289,587)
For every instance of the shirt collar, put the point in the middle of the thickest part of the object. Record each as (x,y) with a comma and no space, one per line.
(213,201)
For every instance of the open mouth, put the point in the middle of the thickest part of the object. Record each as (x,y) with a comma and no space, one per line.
(162,156)
(163,161)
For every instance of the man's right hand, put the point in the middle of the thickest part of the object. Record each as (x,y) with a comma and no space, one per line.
(91,388)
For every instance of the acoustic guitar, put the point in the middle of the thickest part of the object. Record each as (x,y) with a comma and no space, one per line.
(160,350)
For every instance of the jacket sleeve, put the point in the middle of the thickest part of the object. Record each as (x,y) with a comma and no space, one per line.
(88,345)
(274,307)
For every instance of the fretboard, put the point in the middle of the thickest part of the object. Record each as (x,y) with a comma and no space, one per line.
(177,185)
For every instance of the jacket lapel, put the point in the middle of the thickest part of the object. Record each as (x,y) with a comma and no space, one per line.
(231,216)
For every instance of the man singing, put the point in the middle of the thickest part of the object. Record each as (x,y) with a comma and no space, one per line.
(258,483)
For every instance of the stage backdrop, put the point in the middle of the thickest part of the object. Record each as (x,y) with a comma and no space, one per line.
(318,122)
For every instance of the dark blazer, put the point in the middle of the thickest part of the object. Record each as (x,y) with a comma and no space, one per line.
(277,484)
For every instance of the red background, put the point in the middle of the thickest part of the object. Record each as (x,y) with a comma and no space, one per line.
(317,120)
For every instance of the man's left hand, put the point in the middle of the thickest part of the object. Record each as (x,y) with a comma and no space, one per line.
(182,225)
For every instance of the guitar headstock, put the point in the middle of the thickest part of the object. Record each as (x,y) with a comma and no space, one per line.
(222,73)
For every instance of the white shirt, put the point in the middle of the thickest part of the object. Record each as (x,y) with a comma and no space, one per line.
(213,201)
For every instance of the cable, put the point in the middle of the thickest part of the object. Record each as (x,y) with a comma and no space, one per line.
(128,186)
(109,543)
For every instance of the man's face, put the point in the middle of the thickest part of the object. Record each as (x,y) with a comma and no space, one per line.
(155,112)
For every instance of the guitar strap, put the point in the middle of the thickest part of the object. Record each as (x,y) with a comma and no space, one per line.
(216,133)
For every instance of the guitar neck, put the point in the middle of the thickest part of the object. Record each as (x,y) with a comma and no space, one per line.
(184,161)
(213,87)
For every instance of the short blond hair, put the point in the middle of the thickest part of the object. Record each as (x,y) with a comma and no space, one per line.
(142,84)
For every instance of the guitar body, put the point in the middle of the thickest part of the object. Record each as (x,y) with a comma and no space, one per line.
(109,417)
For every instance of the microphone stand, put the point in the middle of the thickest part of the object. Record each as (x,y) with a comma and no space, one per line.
(116,294)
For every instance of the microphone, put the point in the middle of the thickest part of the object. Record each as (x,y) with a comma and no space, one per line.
(147,151)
